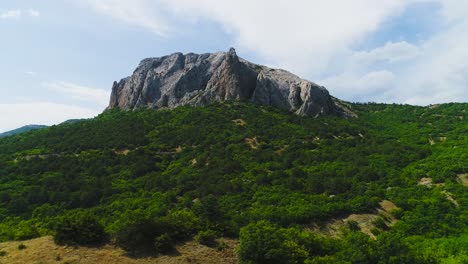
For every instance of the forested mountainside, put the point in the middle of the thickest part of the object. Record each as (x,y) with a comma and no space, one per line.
(387,187)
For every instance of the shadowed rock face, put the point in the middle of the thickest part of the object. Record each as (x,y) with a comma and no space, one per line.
(194,79)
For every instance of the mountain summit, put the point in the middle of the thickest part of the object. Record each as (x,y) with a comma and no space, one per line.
(200,79)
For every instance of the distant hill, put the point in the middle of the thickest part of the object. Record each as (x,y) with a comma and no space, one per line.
(21,130)
(35,127)
(73,121)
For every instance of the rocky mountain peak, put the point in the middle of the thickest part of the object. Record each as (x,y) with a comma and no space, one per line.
(199,79)
(232,52)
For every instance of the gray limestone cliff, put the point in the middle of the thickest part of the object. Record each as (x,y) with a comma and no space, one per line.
(194,79)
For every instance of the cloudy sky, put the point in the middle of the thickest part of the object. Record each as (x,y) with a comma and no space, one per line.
(59,58)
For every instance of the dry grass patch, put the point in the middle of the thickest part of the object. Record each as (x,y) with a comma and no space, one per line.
(281,150)
(239,122)
(450,198)
(463,179)
(44,250)
(122,152)
(366,222)
(179,149)
(252,142)
(428,182)
(316,140)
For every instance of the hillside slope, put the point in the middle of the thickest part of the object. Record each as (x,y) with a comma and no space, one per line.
(21,130)
(256,173)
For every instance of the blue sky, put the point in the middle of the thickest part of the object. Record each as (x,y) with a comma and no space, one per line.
(59,58)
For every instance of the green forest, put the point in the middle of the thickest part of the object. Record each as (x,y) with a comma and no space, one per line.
(148,180)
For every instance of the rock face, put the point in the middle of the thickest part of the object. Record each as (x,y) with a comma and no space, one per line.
(194,79)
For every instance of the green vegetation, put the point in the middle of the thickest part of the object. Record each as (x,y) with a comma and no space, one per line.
(21,130)
(206,237)
(80,228)
(148,180)
(266,243)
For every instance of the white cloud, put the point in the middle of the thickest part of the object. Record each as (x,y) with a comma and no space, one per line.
(11,14)
(390,52)
(43,113)
(78,92)
(301,35)
(34,13)
(316,39)
(434,71)
(441,75)
(358,78)
(17,13)
(142,13)
(454,9)
(352,86)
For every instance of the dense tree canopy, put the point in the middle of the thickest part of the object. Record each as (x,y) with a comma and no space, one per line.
(152,179)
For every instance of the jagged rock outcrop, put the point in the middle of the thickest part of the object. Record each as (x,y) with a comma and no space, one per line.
(194,79)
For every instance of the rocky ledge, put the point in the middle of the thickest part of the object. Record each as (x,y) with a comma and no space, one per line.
(200,79)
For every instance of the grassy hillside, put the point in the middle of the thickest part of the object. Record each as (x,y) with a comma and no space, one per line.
(148,180)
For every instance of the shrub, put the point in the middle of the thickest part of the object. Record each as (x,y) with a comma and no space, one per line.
(375,231)
(163,244)
(398,213)
(79,228)
(265,243)
(353,225)
(144,237)
(21,246)
(221,246)
(380,223)
(26,229)
(182,223)
(206,238)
